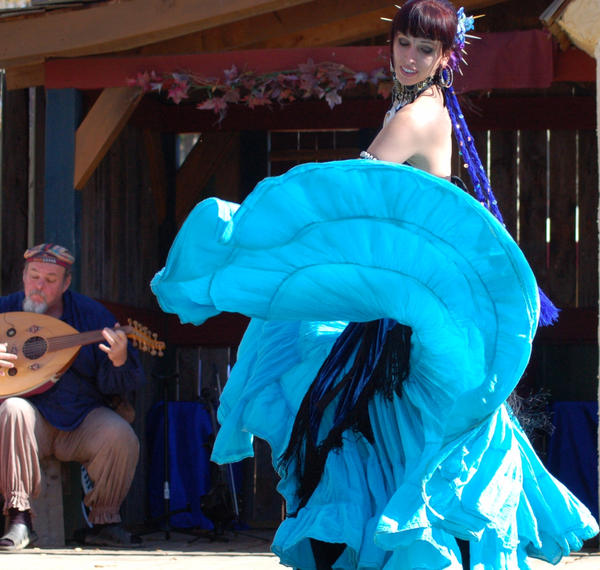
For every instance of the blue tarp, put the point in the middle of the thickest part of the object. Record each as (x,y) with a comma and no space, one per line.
(573,450)
(189,464)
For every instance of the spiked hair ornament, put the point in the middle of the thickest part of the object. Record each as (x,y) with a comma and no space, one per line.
(465,24)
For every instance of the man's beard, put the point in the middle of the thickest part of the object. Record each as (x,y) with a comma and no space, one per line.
(33,307)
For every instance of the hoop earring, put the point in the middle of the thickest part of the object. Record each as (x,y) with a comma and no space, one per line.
(446,77)
(393,72)
(396,87)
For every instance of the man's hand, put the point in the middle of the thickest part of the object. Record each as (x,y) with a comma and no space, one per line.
(6,359)
(116,346)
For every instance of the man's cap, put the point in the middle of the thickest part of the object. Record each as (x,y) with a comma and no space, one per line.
(50,253)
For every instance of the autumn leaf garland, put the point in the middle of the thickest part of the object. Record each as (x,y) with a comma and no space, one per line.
(310,80)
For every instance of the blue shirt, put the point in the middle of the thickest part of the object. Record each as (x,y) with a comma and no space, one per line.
(92,375)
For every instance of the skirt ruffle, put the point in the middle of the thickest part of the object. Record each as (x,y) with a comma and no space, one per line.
(356,241)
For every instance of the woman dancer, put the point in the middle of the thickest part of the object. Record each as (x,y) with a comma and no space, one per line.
(389,431)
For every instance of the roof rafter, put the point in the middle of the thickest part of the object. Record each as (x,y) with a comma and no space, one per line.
(340,32)
(268,27)
(105,28)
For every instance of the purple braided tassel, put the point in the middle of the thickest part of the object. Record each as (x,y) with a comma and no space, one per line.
(548,311)
(483,189)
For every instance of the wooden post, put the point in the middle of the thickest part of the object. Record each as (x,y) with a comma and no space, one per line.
(61,201)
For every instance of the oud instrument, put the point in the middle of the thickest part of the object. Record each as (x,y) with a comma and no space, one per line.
(46,347)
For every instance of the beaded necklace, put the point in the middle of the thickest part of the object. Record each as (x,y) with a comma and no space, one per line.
(403,95)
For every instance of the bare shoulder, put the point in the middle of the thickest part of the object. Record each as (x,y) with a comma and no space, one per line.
(407,119)
(417,130)
(430,110)
(424,113)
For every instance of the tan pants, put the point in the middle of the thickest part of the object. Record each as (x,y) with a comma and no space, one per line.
(105,444)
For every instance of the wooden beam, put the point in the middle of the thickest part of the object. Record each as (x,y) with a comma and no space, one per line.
(340,32)
(100,72)
(549,18)
(574,64)
(117,26)
(279,24)
(552,12)
(473,5)
(24,76)
(100,128)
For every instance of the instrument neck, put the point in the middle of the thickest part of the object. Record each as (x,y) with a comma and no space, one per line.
(79,339)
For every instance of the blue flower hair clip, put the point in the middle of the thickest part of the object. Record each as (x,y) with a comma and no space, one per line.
(465,24)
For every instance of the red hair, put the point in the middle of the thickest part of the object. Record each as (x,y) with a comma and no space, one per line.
(431,19)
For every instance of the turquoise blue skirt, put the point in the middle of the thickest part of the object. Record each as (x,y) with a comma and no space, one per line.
(325,244)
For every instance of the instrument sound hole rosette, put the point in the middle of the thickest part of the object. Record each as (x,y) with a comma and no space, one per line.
(34,347)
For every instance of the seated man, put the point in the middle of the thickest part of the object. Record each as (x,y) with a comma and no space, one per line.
(71,420)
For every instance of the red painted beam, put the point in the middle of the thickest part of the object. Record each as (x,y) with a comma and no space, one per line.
(520,59)
(100,72)
(574,65)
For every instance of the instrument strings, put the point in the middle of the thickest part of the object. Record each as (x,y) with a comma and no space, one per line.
(70,340)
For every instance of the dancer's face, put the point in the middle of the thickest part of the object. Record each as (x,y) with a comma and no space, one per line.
(416,59)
